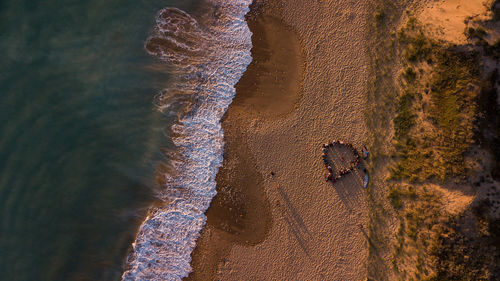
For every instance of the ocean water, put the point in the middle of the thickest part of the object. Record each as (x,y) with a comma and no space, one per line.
(80,135)
(208,54)
(110,132)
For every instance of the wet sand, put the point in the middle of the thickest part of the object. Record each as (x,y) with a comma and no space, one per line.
(275,217)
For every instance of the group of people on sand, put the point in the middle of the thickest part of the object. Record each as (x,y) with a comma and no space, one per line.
(344,171)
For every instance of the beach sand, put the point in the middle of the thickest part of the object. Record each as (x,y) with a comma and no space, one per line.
(275,217)
(447,20)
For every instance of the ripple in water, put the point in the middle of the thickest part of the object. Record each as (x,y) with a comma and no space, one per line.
(208,60)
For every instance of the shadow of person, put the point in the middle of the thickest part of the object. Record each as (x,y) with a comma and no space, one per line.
(349,188)
(295,222)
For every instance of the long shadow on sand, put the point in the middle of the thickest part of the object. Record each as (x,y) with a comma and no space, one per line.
(370,242)
(350,191)
(349,188)
(295,222)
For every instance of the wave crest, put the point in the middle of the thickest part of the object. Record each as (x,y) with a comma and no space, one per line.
(208,60)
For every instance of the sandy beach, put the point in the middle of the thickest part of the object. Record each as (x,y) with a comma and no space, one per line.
(275,217)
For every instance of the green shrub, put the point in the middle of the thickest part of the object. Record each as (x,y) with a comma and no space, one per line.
(419,48)
(409,75)
(394,198)
(379,17)
(496,10)
(476,33)
(405,118)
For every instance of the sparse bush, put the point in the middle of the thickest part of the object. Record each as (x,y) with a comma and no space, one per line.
(405,118)
(379,16)
(433,122)
(410,75)
(476,33)
(417,46)
(495,8)
(394,198)
(436,153)
(420,211)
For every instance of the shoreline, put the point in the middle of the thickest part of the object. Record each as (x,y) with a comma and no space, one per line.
(274,217)
(168,235)
(240,212)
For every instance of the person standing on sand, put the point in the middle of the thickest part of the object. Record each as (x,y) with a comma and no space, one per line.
(365,152)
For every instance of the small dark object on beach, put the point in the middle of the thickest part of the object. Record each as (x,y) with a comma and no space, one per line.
(272,173)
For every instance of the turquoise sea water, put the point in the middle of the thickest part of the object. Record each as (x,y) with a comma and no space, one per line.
(79,135)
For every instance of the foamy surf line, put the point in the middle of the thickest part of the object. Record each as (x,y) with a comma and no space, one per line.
(209,58)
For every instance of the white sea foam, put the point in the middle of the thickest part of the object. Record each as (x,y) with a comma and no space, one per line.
(209,58)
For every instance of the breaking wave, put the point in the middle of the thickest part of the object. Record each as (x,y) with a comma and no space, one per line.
(208,60)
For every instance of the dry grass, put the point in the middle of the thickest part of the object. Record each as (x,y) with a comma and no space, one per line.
(424,136)
(443,94)
(379,114)
(419,211)
(433,128)
(433,244)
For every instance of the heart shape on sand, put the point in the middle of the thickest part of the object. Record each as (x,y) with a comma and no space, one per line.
(340,159)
